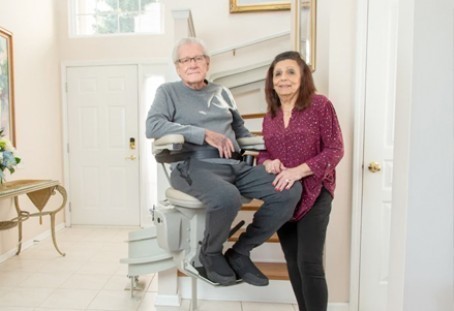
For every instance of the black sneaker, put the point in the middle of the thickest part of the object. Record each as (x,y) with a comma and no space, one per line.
(245,268)
(217,269)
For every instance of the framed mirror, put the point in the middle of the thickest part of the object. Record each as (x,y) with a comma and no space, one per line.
(303,21)
(239,6)
(304,29)
(6,85)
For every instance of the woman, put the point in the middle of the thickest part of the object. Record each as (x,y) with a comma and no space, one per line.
(303,145)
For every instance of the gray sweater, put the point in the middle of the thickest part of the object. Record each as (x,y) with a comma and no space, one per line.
(178,109)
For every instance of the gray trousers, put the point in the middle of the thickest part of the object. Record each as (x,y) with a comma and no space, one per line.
(220,187)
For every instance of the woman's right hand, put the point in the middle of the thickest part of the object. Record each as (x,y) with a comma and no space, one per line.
(273,166)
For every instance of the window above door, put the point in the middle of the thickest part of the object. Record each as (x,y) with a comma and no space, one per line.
(115,17)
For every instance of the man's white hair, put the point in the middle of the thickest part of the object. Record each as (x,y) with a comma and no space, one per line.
(185,41)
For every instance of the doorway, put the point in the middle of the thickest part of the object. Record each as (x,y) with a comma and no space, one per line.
(109,170)
(374,154)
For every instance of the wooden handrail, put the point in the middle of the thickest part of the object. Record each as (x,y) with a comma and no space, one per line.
(253,115)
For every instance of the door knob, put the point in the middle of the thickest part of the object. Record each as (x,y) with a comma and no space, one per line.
(131,157)
(374,167)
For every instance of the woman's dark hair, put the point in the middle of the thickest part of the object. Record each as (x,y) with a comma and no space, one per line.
(307,87)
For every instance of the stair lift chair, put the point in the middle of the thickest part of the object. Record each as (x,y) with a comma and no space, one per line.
(179,223)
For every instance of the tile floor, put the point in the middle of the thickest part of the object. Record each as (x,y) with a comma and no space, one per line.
(89,277)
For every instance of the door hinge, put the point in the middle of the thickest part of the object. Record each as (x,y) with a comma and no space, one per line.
(69,207)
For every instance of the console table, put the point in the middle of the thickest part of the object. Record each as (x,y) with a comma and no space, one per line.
(39,192)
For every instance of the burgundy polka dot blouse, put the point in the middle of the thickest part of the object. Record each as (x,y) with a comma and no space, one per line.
(313,136)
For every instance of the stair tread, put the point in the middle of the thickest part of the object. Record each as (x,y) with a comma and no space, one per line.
(273,239)
(253,205)
(274,270)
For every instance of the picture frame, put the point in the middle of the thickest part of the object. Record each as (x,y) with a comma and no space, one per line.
(7,85)
(240,6)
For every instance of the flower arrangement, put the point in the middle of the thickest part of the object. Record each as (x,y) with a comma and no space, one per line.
(8,157)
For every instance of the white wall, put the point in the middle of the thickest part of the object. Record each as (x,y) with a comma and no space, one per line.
(340,66)
(422,237)
(212,22)
(37,103)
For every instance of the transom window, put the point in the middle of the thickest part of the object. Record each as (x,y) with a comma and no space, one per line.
(107,17)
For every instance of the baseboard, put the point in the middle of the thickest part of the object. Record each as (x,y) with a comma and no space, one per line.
(29,243)
(7,255)
(276,292)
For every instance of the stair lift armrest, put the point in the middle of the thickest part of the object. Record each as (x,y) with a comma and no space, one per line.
(167,149)
(252,143)
(250,147)
(171,142)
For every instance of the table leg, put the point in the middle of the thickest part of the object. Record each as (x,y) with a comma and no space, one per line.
(19,245)
(52,217)
(52,229)
(38,192)
(19,226)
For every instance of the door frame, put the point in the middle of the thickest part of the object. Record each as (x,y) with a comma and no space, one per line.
(143,175)
(358,150)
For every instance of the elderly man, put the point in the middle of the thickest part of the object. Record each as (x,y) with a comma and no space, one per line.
(206,115)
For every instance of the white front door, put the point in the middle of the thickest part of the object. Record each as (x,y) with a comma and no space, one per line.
(380,81)
(102,116)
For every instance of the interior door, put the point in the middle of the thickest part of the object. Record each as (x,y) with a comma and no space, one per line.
(103,150)
(378,154)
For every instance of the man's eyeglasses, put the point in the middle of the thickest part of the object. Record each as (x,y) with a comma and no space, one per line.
(185,61)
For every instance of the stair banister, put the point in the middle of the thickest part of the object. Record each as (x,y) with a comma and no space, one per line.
(184,25)
(233,49)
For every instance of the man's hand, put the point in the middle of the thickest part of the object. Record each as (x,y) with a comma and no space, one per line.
(219,141)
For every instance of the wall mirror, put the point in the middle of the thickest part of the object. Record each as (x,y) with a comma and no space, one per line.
(303,21)
(6,84)
(304,29)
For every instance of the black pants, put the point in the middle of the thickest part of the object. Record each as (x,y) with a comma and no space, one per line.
(220,187)
(303,243)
